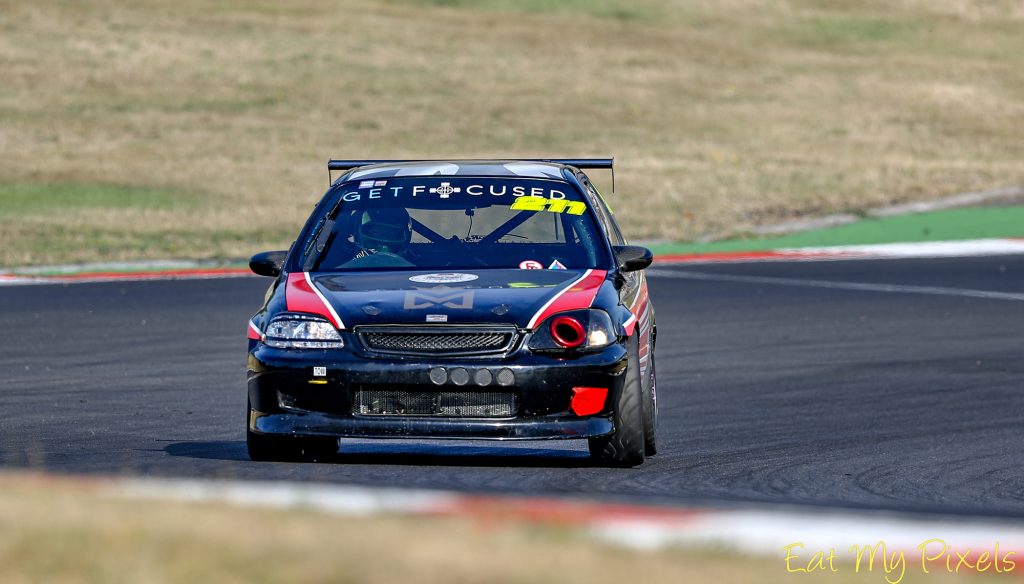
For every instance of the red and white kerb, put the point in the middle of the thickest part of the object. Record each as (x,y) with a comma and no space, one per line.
(302,295)
(577,295)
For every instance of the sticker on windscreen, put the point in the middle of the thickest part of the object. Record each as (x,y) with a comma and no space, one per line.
(531,203)
(556,265)
(530,265)
(443,278)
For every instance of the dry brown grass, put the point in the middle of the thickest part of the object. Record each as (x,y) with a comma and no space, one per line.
(58,531)
(722,114)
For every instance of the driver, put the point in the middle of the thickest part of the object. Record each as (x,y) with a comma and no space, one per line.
(383,235)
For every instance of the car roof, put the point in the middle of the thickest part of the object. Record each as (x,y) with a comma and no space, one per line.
(496,168)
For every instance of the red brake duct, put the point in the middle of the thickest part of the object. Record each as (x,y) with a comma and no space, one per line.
(568,332)
(588,400)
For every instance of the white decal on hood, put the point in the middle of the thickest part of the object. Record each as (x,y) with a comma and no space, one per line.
(439,296)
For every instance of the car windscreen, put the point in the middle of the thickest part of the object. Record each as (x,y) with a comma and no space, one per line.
(426,223)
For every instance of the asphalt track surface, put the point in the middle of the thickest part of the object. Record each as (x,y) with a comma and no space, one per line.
(775,387)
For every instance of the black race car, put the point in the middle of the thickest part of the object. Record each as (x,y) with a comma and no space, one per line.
(455,299)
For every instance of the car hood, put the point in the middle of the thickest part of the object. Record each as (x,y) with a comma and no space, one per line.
(466,297)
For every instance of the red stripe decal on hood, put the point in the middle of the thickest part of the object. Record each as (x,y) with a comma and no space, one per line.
(302,295)
(579,294)
(254,333)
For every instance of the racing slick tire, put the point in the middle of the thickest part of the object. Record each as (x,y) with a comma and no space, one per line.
(268,448)
(624,447)
(650,400)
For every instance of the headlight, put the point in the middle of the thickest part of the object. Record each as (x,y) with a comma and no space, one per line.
(599,330)
(302,331)
(579,330)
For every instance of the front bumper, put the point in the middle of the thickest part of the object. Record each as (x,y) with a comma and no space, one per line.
(286,398)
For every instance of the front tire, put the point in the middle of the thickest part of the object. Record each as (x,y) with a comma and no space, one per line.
(624,447)
(274,448)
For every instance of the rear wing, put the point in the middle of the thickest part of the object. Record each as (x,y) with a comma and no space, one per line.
(581,163)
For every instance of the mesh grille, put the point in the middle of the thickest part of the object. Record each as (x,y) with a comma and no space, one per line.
(451,404)
(438,341)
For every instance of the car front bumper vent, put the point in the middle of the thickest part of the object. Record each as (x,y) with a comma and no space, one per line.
(439,403)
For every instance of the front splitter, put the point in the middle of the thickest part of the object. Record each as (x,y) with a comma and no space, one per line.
(317,424)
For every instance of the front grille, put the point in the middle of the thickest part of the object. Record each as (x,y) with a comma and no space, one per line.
(437,340)
(451,404)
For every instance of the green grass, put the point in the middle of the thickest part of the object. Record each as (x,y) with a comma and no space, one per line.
(19,200)
(127,242)
(953,224)
(842,34)
(613,9)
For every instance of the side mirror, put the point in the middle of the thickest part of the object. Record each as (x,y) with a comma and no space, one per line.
(268,263)
(631,258)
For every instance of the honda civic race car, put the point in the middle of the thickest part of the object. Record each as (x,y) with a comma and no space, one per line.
(455,299)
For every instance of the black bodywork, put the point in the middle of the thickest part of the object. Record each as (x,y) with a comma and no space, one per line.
(407,368)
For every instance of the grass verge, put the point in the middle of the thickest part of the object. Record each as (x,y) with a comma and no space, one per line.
(63,531)
(723,115)
(947,225)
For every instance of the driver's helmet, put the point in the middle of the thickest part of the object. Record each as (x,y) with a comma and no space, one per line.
(387,229)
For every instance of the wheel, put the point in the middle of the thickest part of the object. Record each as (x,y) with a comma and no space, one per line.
(650,400)
(624,447)
(269,448)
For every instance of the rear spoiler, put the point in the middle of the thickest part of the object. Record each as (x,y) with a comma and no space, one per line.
(606,163)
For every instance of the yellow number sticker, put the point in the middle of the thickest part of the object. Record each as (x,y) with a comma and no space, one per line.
(550,205)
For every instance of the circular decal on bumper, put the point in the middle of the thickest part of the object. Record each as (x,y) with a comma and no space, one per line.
(443,278)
